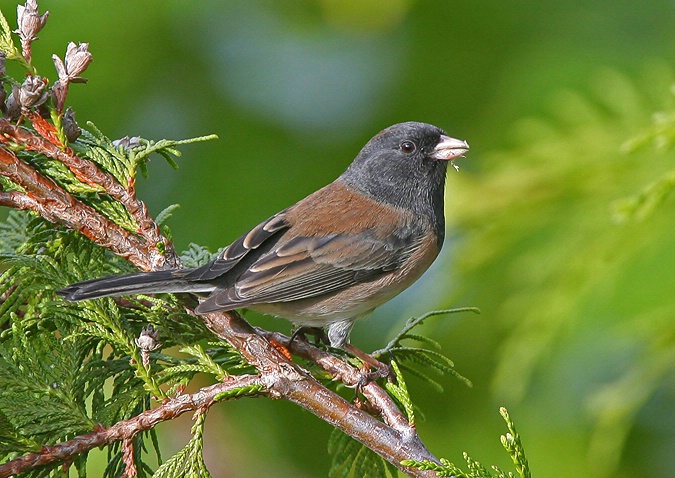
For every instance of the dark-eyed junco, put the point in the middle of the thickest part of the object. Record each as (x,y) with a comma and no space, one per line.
(333,256)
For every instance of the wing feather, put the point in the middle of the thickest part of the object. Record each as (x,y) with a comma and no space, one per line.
(307,267)
(236,251)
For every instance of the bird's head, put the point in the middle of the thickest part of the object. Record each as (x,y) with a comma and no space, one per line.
(405,165)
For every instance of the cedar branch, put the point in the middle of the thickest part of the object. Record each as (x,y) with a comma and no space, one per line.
(45,197)
(394,439)
(88,172)
(351,377)
(284,379)
(127,429)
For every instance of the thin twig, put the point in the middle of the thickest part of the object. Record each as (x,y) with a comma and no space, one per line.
(413,322)
(18,200)
(127,429)
(130,470)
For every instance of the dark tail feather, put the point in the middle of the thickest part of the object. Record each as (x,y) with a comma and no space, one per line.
(139,283)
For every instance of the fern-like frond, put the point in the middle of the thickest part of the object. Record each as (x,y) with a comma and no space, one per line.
(123,159)
(196,255)
(399,391)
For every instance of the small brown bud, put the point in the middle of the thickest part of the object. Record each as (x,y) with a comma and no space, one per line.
(148,341)
(77,60)
(59,92)
(70,126)
(3,62)
(12,105)
(30,21)
(127,143)
(32,92)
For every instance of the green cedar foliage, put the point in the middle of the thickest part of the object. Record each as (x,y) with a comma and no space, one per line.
(67,367)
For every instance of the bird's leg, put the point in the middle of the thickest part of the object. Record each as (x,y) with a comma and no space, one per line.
(338,335)
(302,331)
(373,369)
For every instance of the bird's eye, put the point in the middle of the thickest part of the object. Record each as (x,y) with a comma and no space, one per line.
(407,147)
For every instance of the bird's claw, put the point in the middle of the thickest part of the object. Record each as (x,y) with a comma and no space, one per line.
(372,371)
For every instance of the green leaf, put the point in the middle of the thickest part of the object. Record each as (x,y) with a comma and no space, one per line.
(641,205)
(188,462)
(427,358)
(11,441)
(14,231)
(8,185)
(400,392)
(205,361)
(165,214)
(196,256)
(251,390)
(512,444)
(413,322)
(6,43)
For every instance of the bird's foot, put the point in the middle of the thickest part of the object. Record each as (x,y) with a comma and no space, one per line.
(301,333)
(372,368)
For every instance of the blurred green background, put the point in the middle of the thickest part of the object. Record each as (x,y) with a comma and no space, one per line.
(567,106)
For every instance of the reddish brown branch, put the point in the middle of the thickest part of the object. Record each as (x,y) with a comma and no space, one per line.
(88,172)
(284,379)
(130,470)
(127,429)
(17,200)
(351,377)
(54,204)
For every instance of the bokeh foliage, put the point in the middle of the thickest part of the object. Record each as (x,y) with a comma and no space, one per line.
(570,247)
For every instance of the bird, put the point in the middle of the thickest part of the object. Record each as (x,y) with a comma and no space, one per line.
(335,255)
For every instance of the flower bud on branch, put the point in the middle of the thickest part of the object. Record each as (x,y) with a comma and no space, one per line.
(70,127)
(30,94)
(30,23)
(77,60)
